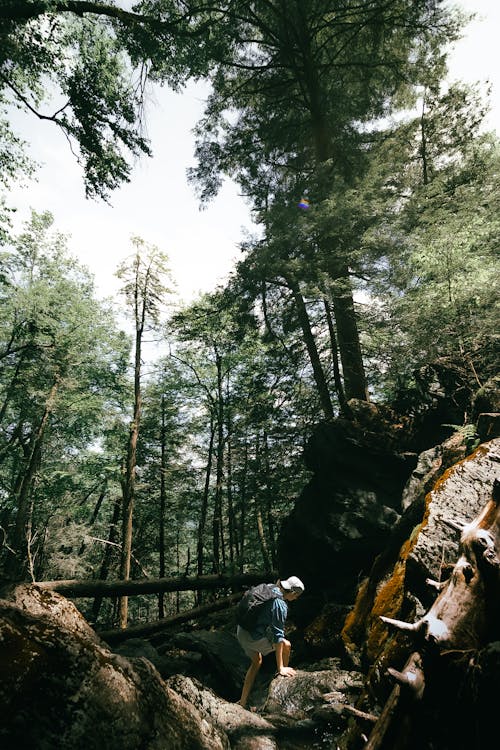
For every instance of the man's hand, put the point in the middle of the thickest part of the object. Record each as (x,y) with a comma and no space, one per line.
(286,671)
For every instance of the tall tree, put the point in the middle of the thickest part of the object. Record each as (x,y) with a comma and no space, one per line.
(144,276)
(287,108)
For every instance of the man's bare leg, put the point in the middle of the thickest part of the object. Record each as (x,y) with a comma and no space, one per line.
(250,678)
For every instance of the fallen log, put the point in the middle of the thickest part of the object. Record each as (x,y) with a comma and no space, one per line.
(74,589)
(151,628)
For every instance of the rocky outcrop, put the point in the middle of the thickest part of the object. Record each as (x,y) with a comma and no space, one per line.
(424,545)
(344,515)
(443,653)
(60,687)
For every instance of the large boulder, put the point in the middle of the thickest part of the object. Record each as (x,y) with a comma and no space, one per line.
(60,687)
(345,513)
(246,730)
(424,546)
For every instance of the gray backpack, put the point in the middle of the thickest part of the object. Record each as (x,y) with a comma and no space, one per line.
(250,605)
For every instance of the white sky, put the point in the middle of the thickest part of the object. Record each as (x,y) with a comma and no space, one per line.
(159,206)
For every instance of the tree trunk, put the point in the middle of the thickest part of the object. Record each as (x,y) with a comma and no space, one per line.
(129,480)
(243,509)
(161,520)
(258,510)
(74,589)
(335,360)
(343,302)
(151,628)
(217,528)
(319,375)
(348,338)
(108,551)
(231,521)
(204,504)
(269,503)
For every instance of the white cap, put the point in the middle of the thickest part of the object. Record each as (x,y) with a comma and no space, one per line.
(293,584)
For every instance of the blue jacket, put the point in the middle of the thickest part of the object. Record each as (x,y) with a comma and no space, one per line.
(272,618)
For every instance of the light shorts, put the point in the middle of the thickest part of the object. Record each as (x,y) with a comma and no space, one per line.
(250,647)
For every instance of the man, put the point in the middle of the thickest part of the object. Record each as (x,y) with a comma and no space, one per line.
(269,634)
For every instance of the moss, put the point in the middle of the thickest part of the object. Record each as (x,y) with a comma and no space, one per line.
(353,631)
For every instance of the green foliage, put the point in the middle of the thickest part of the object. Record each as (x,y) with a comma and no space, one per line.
(63,367)
(95,59)
(468,433)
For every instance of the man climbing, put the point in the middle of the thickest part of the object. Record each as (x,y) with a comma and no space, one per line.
(265,629)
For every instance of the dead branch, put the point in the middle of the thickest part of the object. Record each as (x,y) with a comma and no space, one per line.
(385,719)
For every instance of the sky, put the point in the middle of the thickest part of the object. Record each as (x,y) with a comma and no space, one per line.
(160,206)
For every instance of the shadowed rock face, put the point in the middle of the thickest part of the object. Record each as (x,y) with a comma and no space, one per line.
(346,512)
(452,550)
(60,687)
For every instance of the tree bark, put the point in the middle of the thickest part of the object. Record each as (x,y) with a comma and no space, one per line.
(233,536)
(344,408)
(217,528)
(161,519)
(269,503)
(204,504)
(319,375)
(108,550)
(140,299)
(348,339)
(74,589)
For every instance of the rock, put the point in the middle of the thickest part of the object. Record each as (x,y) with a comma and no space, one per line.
(60,687)
(445,391)
(456,498)
(342,518)
(397,585)
(430,466)
(246,730)
(297,696)
(488,426)
(168,662)
(223,656)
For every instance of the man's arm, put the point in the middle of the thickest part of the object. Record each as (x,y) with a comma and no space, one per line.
(282,651)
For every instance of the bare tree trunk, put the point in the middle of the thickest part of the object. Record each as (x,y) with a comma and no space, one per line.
(204,504)
(129,479)
(423,145)
(343,302)
(269,503)
(348,338)
(108,551)
(163,469)
(258,511)
(74,589)
(243,510)
(231,522)
(217,528)
(151,628)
